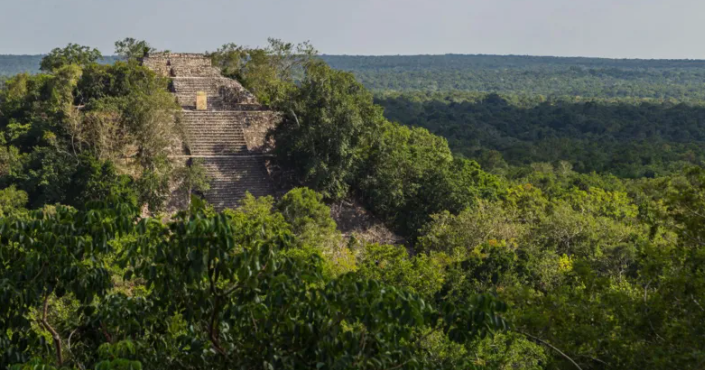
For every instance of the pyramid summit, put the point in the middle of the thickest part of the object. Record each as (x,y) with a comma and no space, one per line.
(224,126)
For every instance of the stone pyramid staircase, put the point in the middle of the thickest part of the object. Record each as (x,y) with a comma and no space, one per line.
(213,133)
(231,179)
(227,132)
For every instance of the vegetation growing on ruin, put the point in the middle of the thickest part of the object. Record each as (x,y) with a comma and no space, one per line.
(83,129)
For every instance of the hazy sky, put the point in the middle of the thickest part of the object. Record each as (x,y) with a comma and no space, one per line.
(605,28)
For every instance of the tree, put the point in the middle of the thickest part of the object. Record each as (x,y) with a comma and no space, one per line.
(193,177)
(11,200)
(253,297)
(206,290)
(268,72)
(312,224)
(47,255)
(122,113)
(328,122)
(132,49)
(304,209)
(71,54)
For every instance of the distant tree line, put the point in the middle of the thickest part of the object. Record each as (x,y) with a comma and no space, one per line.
(680,80)
(547,76)
(11,65)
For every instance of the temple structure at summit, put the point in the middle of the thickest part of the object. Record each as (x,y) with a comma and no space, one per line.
(224,125)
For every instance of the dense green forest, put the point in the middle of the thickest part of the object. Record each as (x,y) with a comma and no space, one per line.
(529,260)
(627,139)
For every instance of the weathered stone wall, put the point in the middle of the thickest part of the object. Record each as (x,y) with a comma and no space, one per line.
(176,59)
(223,93)
(193,71)
(256,125)
(233,92)
(178,195)
(182,64)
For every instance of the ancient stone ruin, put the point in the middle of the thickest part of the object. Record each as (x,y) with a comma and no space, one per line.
(224,125)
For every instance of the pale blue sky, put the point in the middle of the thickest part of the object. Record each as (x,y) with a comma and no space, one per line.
(604,28)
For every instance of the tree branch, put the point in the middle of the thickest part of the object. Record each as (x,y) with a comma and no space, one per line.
(107,335)
(54,333)
(696,302)
(298,124)
(553,348)
(401,365)
(213,329)
(231,290)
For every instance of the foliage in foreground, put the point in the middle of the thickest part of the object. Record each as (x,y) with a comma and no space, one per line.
(94,288)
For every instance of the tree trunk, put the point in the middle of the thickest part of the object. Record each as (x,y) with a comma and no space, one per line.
(54,334)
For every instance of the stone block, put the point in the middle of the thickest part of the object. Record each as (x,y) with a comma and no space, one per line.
(201,100)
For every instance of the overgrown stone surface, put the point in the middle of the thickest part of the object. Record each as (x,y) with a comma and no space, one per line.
(230,135)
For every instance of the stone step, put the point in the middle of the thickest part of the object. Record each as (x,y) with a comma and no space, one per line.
(225,176)
(217,147)
(199,113)
(205,130)
(220,124)
(194,71)
(216,103)
(212,118)
(232,177)
(211,122)
(212,140)
(212,145)
(213,133)
(215,128)
(235,165)
(198,129)
(208,142)
(212,149)
(206,137)
(191,86)
(225,183)
(215,150)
